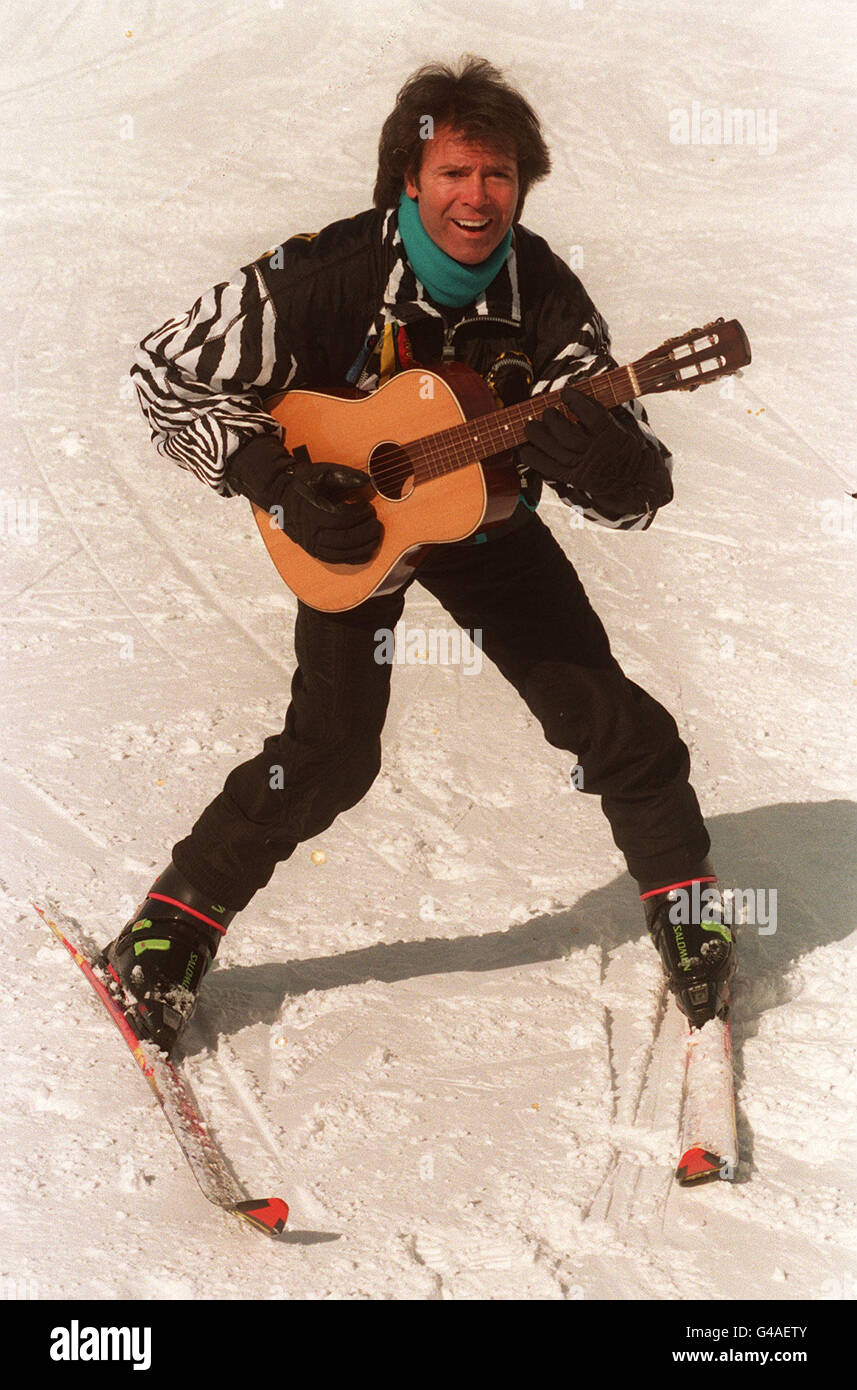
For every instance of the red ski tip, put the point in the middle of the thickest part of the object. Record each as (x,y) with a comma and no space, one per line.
(698,1165)
(268,1214)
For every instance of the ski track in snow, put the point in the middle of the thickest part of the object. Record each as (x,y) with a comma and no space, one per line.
(445,1044)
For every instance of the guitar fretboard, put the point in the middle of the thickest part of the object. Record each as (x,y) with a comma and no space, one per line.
(485,435)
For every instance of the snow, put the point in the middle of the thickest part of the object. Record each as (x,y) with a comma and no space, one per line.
(442,1041)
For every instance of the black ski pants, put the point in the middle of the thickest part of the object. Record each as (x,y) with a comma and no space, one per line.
(540,630)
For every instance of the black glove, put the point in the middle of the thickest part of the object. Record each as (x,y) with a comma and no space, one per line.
(308,501)
(617,467)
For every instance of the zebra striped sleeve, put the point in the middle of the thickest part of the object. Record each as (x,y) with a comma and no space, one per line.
(201,378)
(585,356)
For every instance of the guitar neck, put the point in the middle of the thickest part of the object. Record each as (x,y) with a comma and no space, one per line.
(478,439)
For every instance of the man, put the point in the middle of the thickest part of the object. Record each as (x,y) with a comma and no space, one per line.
(439,269)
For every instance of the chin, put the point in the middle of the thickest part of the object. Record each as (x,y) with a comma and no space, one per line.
(471,255)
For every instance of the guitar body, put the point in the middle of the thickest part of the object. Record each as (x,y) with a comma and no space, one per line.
(416,510)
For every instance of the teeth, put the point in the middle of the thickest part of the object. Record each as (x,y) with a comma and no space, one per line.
(461,223)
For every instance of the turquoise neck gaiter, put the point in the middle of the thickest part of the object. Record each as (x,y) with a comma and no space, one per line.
(448,281)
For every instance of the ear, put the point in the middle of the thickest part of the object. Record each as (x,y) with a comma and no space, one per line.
(412,186)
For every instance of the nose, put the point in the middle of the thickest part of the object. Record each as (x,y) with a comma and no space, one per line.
(474,192)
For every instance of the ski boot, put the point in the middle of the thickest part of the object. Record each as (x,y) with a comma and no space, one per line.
(688,925)
(161,955)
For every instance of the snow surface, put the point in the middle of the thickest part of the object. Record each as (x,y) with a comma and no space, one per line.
(443,1042)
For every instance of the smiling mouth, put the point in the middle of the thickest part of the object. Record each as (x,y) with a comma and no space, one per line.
(472,224)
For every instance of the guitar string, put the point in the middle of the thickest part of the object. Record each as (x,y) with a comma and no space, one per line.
(440,453)
(423,461)
(437,455)
(445,446)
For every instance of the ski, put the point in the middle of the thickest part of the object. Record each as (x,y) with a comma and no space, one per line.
(709,1140)
(174,1095)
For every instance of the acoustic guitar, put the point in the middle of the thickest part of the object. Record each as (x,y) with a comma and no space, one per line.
(437,456)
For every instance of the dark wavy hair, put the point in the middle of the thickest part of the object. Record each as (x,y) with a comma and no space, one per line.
(476,101)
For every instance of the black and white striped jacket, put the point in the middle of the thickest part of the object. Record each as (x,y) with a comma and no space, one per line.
(313,312)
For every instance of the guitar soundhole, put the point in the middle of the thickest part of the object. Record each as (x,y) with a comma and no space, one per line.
(391,471)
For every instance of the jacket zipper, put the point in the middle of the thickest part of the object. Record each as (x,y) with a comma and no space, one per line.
(449,333)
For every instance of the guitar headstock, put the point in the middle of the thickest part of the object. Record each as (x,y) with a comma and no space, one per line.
(686,362)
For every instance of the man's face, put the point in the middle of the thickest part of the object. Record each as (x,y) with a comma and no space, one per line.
(467,194)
